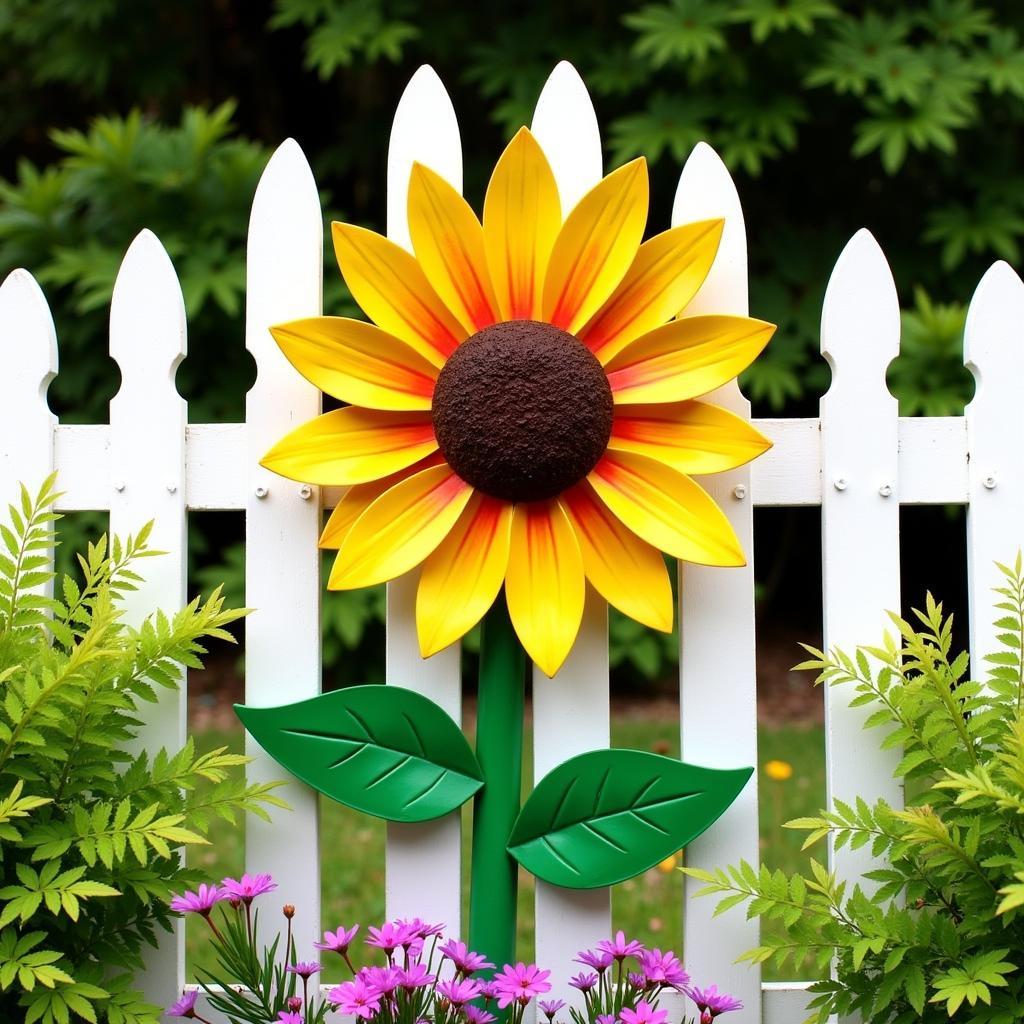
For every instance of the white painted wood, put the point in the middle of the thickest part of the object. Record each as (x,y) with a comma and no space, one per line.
(565,125)
(147,482)
(28,355)
(425,130)
(860,336)
(717,665)
(994,353)
(282,575)
(932,464)
(567,921)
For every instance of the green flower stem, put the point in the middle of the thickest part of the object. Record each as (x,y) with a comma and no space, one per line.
(499,750)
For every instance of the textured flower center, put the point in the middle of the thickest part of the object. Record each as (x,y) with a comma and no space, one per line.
(522,410)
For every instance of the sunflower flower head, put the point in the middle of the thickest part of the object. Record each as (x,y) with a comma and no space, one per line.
(523,411)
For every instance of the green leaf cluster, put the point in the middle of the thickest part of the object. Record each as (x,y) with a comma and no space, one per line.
(936,928)
(92,833)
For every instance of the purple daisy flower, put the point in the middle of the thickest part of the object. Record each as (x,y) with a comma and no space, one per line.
(643,1014)
(711,1002)
(596,960)
(550,1007)
(420,929)
(618,948)
(583,981)
(488,990)
(464,959)
(664,969)
(289,1017)
(477,1016)
(248,887)
(199,902)
(414,976)
(384,980)
(389,936)
(304,969)
(458,991)
(184,1007)
(339,941)
(520,984)
(605,1018)
(357,998)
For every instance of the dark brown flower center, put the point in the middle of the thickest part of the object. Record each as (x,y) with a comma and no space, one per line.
(522,410)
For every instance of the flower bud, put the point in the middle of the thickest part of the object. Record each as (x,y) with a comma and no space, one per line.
(234,903)
(295,1003)
(288,910)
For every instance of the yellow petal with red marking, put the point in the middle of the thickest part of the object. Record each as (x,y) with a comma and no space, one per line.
(400,528)
(394,293)
(686,358)
(545,585)
(596,247)
(352,446)
(692,437)
(463,575)
(359,497)
(357,362)
(666,274)
(449,245)
(626,571)
(666,509)
(522,215)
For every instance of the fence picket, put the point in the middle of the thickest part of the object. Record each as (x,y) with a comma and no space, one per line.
(28,352)
(425,130)
(565,125)
(147,482)
(717,665)
(860,336)
(994,353)
(282,567)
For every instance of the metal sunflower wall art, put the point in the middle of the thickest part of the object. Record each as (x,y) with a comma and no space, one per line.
(522,415)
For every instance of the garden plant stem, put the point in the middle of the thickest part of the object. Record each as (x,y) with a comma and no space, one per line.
(499,751)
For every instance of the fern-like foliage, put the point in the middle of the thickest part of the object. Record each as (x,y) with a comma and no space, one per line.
(90,834)
(936,929)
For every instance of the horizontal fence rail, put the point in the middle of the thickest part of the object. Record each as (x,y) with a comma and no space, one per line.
(858,461)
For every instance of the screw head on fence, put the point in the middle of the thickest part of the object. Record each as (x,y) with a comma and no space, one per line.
(261,491)
(840,483)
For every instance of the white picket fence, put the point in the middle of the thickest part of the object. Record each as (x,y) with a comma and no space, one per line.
(859,461)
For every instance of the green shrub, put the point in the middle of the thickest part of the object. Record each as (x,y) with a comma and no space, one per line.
(91,833)
(939,929)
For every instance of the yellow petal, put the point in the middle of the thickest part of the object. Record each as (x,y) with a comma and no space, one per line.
(463,575)
(626,571)
(357,362)
(692,437)
(394,293)
(352,446)
(449,244)
(400,528)
(596,246)
(666,509)
(686,358)
(359,497)
(544,585)
(666,274)
(522,215)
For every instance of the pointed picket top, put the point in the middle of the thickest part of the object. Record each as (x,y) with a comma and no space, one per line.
(860,325)
(994,353)
(283,266)
(425,130)
(28,353)
(706,190)
(992,347)
(147,320)
(30,340)
(565,124)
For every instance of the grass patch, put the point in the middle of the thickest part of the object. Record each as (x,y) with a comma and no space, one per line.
(648,907)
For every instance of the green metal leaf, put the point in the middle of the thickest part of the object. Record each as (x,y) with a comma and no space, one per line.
(380,749)
(608,815)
